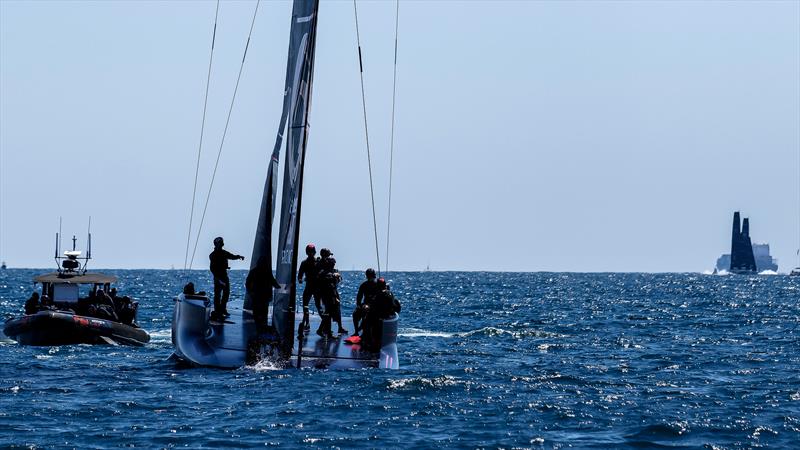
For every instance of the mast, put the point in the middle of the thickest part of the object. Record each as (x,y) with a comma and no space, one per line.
(297,103)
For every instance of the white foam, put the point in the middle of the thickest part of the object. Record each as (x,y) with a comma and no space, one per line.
(417,332)
(767,272)
(161,336)
(265,365)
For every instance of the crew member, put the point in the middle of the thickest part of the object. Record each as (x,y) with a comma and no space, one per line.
(259,284)
(32,304)
(329,277)
(366,293)
(222,285)
(308,268)
(383,306)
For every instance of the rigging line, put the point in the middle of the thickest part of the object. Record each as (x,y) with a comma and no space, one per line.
(366,135)
(224,133)
(391,141)
(200,146)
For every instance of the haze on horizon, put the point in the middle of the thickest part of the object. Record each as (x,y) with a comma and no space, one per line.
(530,136)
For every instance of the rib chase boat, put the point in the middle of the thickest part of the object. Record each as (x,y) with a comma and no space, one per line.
(237,342)
(76,307)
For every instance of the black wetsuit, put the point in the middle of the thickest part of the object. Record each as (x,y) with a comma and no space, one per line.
(366,293)
(259,284)
(382,307)
(222,285)
(309,269)
(326,287)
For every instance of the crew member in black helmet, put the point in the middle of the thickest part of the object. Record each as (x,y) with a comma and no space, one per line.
(366,293)
(222,285)
(329,277)
(308,269)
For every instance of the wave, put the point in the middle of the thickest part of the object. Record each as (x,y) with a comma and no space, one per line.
(161,336)
(485,331)
(424,382)
(767,272)
(265,365)
(417,332)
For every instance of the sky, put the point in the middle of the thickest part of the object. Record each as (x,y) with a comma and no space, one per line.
(529,136)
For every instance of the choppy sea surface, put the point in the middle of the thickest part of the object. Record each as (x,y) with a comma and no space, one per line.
(512,360)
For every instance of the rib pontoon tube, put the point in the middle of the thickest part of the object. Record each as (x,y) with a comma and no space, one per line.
(61,328)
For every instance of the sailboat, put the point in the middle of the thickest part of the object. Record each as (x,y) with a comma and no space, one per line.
(742,259)
(237,341)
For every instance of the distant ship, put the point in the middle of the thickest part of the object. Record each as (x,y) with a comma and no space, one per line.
(3,266)
(764,261)
(745,257)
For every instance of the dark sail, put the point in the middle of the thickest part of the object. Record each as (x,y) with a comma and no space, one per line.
(300,69)
(742,258)
(296,90)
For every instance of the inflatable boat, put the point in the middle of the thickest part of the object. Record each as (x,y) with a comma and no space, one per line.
(63,328)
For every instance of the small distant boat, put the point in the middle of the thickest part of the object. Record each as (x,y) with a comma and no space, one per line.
(795,272)
(3,266)
(66,320)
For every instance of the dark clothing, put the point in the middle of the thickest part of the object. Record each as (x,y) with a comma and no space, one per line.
(259,284)
(366,293)
(32,305)
(382,307)
(222,290)
(308,269)
(385,304)
(219,262)
(328,278)
(222,285)
(106,305)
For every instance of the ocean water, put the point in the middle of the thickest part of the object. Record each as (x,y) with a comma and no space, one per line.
(537,360)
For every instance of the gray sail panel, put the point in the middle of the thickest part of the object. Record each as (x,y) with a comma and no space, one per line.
(301,47)
(261,260)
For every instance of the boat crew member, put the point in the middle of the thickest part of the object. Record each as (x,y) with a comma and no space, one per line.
(259,284)
(104,306)
(32,305)
(329,277)
(366,293)
(222,285)
(383,306)
(47,304)
(308,269)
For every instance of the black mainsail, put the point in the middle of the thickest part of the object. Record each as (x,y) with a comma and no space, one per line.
(296,104)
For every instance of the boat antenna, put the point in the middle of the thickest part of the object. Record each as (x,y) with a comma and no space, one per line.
(224,133)
(391,141)
(200,145)
(58,243)
(366,135)
(88,245)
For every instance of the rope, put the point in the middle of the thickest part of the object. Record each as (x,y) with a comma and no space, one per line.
(200,146)
(224,133)
(391,144)
(366,134)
